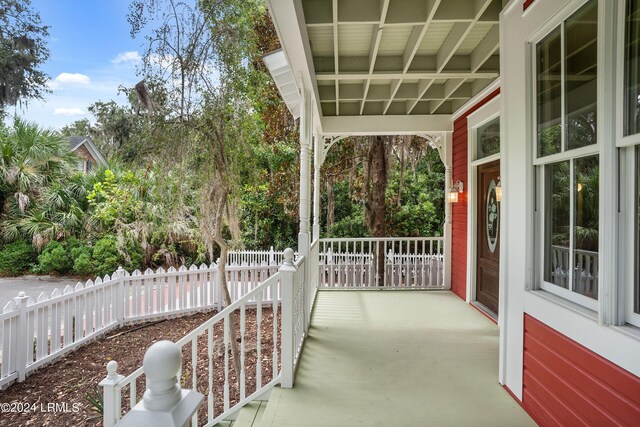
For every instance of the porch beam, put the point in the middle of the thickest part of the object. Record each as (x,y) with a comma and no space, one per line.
(395,75)
(386,125)
(373,49)
(487,47)
(336,53)
(417,34)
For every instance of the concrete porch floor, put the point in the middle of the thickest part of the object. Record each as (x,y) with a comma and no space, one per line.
(396,358)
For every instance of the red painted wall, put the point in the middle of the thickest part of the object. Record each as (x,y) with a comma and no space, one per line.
(565,384)
(459,212)
(526,4)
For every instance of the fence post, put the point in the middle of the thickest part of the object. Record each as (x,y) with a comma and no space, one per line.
(111,397)
(120,302)
(22,340)
(287,285)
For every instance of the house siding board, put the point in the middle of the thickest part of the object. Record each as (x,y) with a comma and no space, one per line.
(84,154)
(564,383)
(459,164)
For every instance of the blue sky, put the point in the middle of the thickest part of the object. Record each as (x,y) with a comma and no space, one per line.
(92,54)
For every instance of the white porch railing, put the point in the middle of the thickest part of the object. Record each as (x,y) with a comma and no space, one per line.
(414,262)
(270,257)
(585,270)
(34,333)
(206,370)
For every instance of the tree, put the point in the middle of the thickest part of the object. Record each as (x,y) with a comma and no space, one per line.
(22,51)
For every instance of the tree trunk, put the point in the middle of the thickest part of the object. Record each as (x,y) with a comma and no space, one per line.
(331,206)
(376,180)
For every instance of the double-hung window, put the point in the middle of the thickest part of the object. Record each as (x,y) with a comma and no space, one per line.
(567,165)
(628,143)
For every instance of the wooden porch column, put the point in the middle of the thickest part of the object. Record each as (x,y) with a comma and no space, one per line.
(446,157)
(305,171)
(318,142)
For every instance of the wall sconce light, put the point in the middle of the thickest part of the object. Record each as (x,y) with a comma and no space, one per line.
(457,187)
(499,191)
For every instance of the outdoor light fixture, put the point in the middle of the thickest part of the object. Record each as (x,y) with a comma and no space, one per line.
(457,187)
(499,191)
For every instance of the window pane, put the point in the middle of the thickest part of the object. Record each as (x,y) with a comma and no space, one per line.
(557,216)
(549,94)
(632,68)
(586,229)
(581,50)
(489,138)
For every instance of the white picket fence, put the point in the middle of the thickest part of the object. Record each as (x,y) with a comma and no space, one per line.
(34,333)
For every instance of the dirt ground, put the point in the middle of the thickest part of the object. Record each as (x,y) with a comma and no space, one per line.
(56,394)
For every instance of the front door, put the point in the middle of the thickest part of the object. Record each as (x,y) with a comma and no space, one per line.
(488,229)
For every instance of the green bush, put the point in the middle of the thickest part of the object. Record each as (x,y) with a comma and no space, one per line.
(54,259)
(82,259)
(16,258)
(105,256)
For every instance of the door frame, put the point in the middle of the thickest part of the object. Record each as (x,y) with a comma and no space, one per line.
(484,114)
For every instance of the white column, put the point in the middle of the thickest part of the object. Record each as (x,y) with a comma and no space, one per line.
(287,289)
(446,156)
(305,169)
(317,165)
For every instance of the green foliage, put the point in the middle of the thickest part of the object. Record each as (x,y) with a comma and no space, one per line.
(81,256)
(108,256)
(16,258)
(54,259)
(22,51)
(95,399)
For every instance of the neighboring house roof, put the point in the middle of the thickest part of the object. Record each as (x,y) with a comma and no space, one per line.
(76,142)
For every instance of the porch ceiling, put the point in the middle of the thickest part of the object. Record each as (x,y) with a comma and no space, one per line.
(393,58)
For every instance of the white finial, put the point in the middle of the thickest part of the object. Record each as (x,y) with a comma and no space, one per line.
(288,256)
(161,364)
(21,294)
(112,370)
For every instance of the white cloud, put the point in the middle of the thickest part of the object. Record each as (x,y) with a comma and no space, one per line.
(131,56)
(73,78)
(63,111)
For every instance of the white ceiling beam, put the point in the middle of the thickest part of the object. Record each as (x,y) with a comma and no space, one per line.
(449,88)
(423,87)
(395,85)
(417,34)
(394,75)
(386,125)
(450,45)
(376,36)
(487,47)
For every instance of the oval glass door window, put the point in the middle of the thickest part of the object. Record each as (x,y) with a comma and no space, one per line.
(492,216)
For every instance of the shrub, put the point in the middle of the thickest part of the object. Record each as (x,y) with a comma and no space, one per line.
(82,262)
(105,256)
(54,258)
(16,258)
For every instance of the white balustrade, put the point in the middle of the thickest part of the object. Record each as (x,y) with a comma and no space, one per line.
(413,262)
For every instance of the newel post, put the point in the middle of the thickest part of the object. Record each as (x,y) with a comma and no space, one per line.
(287,271)
(111,396)
(22,340)
(164,403)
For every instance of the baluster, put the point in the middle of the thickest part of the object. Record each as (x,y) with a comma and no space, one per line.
(79,306)
(275,333)
(259,341)
(194,374)
(210,354)
(226,361)
(133,391)
(56,320)
(242,355)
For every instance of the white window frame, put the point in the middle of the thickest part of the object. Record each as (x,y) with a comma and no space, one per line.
(475,120)
(627,145)
(539,163)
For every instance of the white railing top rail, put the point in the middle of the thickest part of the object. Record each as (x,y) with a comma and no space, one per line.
(379,239)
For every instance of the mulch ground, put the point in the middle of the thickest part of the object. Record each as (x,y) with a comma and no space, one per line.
(56,395)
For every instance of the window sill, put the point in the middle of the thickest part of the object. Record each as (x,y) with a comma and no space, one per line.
(566,304)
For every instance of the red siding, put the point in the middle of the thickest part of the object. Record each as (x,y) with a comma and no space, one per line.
(564,383)
(459,211)
(526,4)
